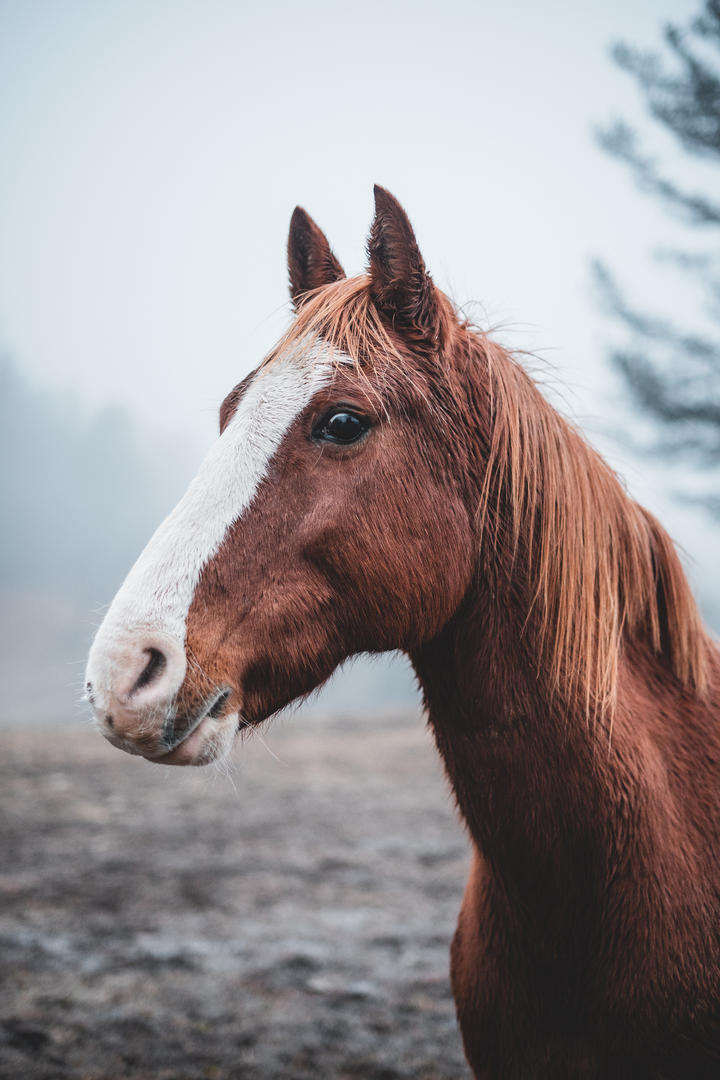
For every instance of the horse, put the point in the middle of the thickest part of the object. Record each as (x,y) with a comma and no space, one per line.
(390,478)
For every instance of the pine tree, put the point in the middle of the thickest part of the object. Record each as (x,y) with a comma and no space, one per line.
(673,372)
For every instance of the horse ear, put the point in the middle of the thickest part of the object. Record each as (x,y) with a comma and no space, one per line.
(311,262)
(399,283)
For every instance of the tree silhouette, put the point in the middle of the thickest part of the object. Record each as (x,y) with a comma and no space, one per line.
(673,373)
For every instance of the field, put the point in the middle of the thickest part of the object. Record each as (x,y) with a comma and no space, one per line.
(289,920)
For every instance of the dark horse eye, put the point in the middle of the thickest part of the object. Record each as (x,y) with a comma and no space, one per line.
(341,426)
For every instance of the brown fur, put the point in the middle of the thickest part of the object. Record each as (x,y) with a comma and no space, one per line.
(572,690)
(311,263)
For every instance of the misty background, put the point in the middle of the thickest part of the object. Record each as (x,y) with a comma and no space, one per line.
(151,157)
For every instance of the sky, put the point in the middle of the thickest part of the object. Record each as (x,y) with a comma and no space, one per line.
(153,153)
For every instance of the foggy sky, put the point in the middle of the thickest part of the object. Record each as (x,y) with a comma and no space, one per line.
(152,155)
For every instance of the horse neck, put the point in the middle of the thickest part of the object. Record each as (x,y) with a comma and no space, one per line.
(532,778)
(500,731)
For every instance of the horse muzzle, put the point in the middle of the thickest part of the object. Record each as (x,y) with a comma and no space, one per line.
(135,685)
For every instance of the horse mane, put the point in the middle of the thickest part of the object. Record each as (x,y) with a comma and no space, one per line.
(601,569)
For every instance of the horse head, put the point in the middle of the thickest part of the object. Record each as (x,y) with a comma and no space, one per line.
(330,517)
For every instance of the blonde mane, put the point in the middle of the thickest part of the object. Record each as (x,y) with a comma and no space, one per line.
(344,315)
(603,569)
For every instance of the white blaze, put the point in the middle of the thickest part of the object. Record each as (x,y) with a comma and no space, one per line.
(155,597)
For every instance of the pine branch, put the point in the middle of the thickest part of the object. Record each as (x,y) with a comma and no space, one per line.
(688,101)
(622,142)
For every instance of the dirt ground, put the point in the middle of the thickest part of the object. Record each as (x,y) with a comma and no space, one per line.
(291,919)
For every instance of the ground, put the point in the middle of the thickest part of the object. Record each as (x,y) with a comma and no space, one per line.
(289,920)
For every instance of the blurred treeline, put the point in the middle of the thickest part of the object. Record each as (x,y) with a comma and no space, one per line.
(81,492)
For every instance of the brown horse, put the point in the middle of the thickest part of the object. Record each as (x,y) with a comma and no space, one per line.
(388,478)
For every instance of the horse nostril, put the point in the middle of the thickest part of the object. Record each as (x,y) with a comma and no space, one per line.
(218,705)
(155,666)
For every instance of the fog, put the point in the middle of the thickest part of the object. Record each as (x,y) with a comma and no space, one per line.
(152,156)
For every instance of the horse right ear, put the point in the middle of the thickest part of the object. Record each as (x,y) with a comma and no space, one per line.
(311,263)
(399,283)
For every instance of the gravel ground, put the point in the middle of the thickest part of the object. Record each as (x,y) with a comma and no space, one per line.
(291,919)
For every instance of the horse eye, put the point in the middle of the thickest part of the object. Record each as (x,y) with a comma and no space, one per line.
(341,426)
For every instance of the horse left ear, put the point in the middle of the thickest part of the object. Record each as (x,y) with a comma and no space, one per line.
(311,263)
(400,285)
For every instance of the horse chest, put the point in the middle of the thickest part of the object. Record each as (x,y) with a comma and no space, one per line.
(598,1005)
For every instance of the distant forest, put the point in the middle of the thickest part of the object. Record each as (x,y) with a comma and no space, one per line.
(81,494)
